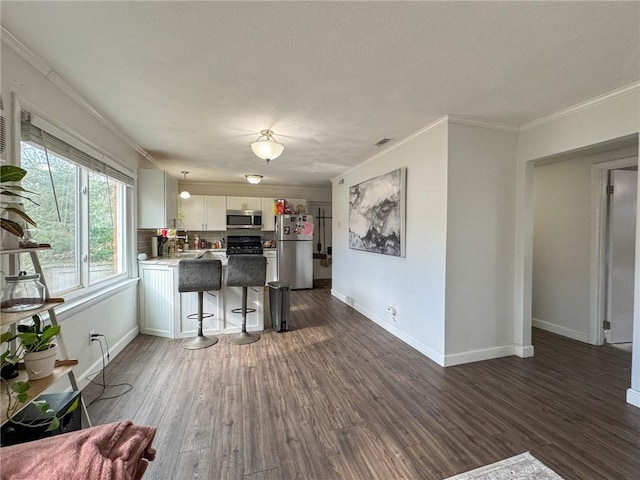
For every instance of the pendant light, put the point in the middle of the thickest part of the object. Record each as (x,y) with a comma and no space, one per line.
(184,194)
(253,178)
(266,147)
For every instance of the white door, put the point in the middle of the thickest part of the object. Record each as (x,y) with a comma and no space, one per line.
(621,255)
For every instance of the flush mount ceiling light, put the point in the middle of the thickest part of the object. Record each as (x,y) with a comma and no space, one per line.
(266,147)
(253,178)
(184,194)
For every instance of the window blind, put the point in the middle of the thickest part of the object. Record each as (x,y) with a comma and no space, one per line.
(34,134)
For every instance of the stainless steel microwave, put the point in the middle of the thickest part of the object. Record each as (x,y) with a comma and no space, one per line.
(244,219)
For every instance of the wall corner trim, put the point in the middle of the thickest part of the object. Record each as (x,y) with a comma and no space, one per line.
(523,351)
(633,397)
(619,92)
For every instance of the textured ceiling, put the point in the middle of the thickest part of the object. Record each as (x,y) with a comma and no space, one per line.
(193,83)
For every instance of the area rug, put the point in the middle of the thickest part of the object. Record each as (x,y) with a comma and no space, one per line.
(521,467)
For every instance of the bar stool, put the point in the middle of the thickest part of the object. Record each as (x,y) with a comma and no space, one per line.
(245,271)
(197,275)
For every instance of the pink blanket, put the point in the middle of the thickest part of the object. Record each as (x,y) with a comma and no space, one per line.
(116,451)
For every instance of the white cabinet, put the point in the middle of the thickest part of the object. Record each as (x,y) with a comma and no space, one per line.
(233,300)
(164,310)
(272,266)
(157,199)
(158,310)
(212,303)
(204,212)
(244,203)
(268,217)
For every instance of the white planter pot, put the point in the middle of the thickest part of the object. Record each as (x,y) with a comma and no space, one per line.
(40,364)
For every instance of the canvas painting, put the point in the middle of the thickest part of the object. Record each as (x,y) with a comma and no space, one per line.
(377,214)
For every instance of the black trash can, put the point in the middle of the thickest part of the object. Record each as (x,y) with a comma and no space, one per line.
(279,303)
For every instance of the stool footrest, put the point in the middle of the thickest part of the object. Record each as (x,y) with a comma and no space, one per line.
(204,315)
(239,310)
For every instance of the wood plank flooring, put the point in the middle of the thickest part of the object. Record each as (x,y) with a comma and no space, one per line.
(337,397)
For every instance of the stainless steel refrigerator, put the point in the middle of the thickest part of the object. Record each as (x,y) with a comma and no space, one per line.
(294,238)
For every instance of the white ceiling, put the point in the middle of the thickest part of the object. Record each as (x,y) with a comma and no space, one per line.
(193,83)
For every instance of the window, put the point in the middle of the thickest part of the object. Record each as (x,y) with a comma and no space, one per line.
(86,226)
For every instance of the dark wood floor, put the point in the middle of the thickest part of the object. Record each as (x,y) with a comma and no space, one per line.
(339,398)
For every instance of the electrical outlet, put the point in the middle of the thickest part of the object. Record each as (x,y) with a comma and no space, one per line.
(91,334)
(391,310)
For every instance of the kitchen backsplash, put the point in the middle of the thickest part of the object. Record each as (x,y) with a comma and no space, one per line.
(145,235)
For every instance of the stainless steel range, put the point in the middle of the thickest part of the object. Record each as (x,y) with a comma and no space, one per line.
(244,245)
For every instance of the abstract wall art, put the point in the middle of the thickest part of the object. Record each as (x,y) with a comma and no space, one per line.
(377,214)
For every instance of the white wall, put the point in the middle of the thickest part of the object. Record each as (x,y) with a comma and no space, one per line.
(41,96)
(604,119)
(457,274)
(111,312)
(561,247)
(480,226)
(414,284)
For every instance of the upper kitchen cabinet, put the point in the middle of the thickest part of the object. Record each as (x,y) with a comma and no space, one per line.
(157,199)
(268,217)
(204,212)
(244,203)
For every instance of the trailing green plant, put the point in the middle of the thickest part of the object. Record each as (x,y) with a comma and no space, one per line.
(9,174)
(36,337)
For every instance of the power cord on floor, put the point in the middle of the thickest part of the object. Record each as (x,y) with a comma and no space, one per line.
(104,385)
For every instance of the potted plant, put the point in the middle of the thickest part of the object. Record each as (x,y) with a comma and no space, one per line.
(12,210)
(31,340)
(39,350)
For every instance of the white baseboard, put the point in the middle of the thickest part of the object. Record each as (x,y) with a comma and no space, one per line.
(633,397)
(408,339)
(113,352)
(478,355)
(560,330)
(439,358)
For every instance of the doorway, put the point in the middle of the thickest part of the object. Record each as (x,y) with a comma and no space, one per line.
(322,243)
(584,246)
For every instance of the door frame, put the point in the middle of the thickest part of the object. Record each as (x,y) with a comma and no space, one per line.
(597,292)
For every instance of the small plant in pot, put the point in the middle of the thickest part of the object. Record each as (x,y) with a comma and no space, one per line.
(39,350)
(31,340)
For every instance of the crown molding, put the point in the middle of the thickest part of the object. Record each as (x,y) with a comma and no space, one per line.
(619,92)
(457,119)
(43,67)
(430,126)
(476,122)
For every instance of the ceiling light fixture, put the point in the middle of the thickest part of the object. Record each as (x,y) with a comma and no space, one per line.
(253,178)
(266,147)
(184,194)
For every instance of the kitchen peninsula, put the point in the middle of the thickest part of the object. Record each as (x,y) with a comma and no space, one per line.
(164,311)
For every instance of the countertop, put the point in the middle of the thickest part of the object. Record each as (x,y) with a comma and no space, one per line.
(173,258)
